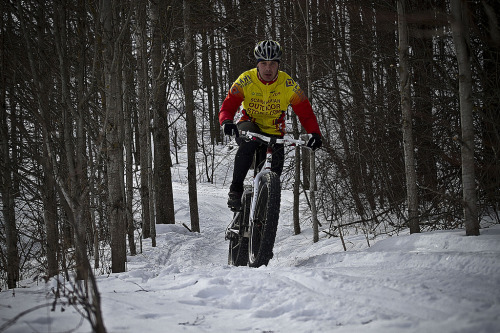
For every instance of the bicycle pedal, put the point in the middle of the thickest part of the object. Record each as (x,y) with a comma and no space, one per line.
(235,208)
(231,233)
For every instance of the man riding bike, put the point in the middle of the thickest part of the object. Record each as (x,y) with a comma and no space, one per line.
(265,93)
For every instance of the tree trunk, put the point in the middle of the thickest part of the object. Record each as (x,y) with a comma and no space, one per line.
(164,197)
(215,85)
(74,155)
(82,111)
(489,175)
(460,32)
(50,217)
(358,143)
(423,74)
(143,106)
(296,131)
(48,198)
(114,142)
(404,80)
(189,77)
(296,179)
(128,105)
(312,161)
(8,203)
(207,84)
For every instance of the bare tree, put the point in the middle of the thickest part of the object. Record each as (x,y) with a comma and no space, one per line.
(404,80)
(144,118)
(41,81)
(423,101)
(312,172)
(128,111)
(114,141)
(189,84)
(460,31)
(488,171)
(207,84)
(74,154)
(8,204)
(292,11)
(163,178)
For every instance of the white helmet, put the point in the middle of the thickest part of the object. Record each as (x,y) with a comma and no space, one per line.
(267,50)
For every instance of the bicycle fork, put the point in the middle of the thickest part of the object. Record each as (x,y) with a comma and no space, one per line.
(255,189)
(266,168)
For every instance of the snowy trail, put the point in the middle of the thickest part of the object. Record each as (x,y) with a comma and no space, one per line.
(432,282)
(411,283)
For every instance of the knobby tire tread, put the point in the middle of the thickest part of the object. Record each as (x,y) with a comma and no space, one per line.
(238,246)
(267,213)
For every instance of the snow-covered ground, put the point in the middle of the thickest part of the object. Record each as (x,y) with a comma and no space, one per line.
(431,282)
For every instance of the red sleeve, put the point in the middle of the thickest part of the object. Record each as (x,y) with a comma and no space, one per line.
(231,104)
(304,111)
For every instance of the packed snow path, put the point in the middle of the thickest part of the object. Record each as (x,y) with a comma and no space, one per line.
(430,282)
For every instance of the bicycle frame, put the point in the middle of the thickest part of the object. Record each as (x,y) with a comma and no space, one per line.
(257,219)
(266,168)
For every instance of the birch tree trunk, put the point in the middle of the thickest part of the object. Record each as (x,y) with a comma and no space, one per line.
(404,80)
(296,132)
(312,165)
(460,32)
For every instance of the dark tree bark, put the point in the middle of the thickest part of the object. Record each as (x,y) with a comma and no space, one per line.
(489,173)
(144,118)
(163,178)
(189,84)
(8,203)
(128,111)
(405,86)
(114,141)
(460,31)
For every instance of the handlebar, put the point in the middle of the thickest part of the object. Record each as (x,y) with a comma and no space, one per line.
(285,140)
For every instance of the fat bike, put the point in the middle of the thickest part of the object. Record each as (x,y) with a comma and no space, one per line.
(252,231)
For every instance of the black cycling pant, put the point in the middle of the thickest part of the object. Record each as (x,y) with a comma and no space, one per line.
(244,156)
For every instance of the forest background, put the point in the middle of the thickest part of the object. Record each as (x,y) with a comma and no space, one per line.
(97,97)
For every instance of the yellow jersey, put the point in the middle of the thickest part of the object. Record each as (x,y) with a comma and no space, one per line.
(265,103)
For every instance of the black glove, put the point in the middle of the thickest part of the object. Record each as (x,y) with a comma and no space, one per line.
(315,141)
(229,128)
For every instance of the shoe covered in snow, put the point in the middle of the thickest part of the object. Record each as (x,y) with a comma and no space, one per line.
(234,200)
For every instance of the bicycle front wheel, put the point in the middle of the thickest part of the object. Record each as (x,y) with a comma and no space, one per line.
(265,223)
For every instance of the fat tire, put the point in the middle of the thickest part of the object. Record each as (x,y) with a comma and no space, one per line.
(263,233)
(238,244)
(238,251)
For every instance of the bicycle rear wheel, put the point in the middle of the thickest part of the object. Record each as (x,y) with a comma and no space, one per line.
(263,230)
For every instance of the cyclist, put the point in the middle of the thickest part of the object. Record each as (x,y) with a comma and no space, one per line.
(265,93)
